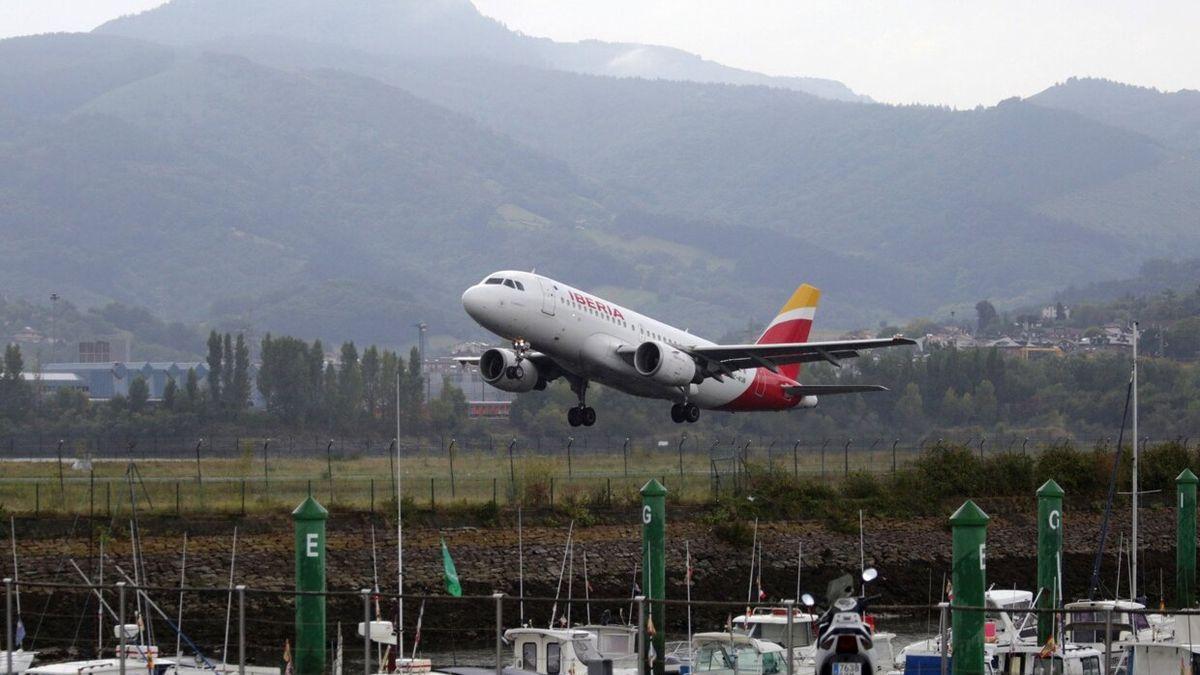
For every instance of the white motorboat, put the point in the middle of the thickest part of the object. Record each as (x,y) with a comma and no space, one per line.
(736,654)
(21,660)
(550,651)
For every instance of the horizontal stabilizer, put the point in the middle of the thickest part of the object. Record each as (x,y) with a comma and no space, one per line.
(830,389)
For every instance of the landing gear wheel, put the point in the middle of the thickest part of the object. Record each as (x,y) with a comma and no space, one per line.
(574,416)
(677,413)
(588,416)
(691,412)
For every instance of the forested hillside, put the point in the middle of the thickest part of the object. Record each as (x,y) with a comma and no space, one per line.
(337,174)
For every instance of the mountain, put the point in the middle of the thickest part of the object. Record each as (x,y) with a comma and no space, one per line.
(322,179)
(1014,201)
(435,29)
(1170,117)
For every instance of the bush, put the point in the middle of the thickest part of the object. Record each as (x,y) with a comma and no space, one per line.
(860,485)
(1009,474)
(1161,464)
(1077,472)
(951,471)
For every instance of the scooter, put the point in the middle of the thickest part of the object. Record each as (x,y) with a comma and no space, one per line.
(844,638)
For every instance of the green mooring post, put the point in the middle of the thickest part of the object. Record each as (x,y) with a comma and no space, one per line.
(969,525)
(310,519)
(654,573)
(1050,538)
(1185,540)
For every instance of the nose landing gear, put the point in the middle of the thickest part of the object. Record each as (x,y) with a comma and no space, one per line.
(685,412)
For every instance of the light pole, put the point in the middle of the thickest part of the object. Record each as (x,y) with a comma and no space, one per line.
(53,326)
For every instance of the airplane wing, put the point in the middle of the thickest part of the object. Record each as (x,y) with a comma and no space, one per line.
(728,358)
(831,389)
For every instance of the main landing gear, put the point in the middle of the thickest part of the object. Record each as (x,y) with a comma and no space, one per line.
(582,414)
(685,412)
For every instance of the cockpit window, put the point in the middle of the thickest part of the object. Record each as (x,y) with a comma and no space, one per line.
(494,281)
(520,286)
(509,283)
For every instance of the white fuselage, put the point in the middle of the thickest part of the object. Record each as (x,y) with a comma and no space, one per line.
(583,333)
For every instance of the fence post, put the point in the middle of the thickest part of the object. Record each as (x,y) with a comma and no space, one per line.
(682,440)
(121,622)
(432,502)
(943,639)
(8,622)
(266,468)
(823,446)
(177,499)
(1108,639)
(366,596)
(329,464)
(551,490)
(570,442)
(625,456)
(372,496)
(846,457)
(62,486)
(241,591)
(499,633)
(243,496)
(894,444)
(450,452)
(641,634)
(796,459)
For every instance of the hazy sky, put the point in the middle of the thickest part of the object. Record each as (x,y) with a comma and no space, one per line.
(957,52)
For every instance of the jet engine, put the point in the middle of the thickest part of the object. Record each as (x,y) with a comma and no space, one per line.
(501,369)
(664,364)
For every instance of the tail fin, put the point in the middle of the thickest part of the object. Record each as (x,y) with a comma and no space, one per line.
(793,323)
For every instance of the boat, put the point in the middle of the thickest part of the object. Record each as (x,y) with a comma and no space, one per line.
(718,653)
(551,651)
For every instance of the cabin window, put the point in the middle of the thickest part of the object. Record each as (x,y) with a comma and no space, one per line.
(1091,665)
(520,286)
(770,664)
(509,283)
(528,656)
(553,658)
(1051,666)
(494,281)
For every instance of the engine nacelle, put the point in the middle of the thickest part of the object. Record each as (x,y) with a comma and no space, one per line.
(664,364)
(501,369)
(807,402)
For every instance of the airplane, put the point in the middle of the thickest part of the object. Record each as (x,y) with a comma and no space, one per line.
(557,330)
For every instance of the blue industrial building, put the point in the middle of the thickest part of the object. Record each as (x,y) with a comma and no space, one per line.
(106,380)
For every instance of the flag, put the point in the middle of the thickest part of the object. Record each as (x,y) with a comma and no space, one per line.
(650,626)
(950,591)
(452,585)
(20,636)
(1048,648)
(287,657)
(688,578)
(761,594)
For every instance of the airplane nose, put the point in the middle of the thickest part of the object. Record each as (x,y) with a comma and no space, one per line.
(472,300)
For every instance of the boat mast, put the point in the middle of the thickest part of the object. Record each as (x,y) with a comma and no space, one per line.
(1133,541)
(229,598)
(182,580)
(521,564)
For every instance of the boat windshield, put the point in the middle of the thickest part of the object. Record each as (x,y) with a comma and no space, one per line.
(715,657)
(777,633)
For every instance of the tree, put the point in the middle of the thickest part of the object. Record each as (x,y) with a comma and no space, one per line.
(227,392)
(350,387)
(191,389)
(909,410)
(985,403)
(283,378)
(329,396)
(985,315)
(139,394)
(170,391)
(370,380)
(449,411)
(214,368)
(1060,312)
(241,375)
(16,396)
